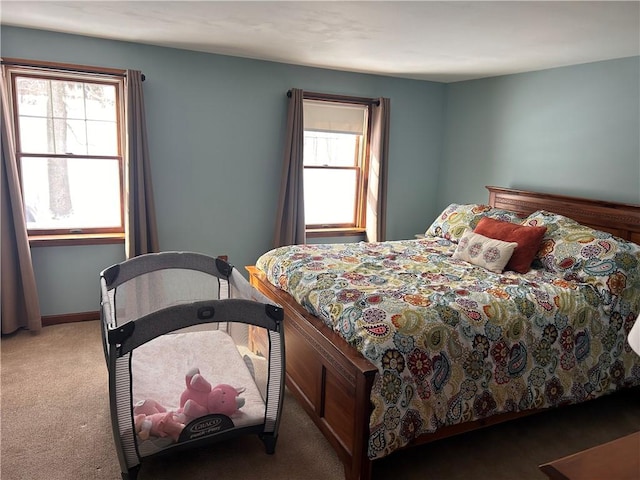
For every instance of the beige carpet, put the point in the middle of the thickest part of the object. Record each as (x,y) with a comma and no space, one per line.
(55,425)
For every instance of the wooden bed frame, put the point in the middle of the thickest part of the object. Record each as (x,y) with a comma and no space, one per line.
(332,381)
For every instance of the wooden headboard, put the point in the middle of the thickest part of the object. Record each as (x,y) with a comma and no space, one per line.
(620,219)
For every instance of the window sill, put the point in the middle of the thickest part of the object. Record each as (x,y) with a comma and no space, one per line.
(334,232)
(66,240)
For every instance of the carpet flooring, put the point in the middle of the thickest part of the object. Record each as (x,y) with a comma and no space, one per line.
(55,425)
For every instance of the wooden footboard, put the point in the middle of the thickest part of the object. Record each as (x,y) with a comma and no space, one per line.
(330,379)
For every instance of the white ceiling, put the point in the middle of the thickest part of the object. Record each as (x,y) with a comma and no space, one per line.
(428,40)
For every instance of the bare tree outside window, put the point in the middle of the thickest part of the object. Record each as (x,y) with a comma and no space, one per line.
(58,173)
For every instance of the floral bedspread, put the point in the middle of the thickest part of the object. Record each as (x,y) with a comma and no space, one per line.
(454,342)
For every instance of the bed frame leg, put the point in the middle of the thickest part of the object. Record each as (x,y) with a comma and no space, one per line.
(361,470)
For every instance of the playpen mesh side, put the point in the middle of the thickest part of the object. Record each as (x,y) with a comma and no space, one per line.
(122,399)
(153,291)
(274,389)
(106,316)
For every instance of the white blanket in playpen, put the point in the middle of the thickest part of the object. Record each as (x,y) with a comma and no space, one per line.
(159,367)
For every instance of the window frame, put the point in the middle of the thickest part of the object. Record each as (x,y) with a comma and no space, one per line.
(14,68)
(363,152)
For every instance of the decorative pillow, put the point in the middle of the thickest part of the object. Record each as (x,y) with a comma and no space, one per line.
(456,219)
(581,253)
(552,221)
(483,251)
(528,239)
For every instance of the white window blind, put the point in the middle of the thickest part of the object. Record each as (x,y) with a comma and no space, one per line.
(339,118)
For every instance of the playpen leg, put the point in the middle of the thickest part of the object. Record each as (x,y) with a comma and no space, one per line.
(269,443)
(132,474)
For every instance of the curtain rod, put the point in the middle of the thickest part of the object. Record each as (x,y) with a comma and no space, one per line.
(337,98)
(64,68)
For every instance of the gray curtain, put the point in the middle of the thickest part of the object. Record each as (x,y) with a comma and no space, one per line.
(290,224)
(378,166)
(141,231)
(19,294)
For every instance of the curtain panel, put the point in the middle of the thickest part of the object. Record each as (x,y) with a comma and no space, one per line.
(376,223)
(19,294)
(290,222)
(141,231)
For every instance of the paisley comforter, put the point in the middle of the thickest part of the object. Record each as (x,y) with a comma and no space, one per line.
(454,342)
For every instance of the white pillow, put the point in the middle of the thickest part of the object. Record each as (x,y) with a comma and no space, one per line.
(484,251)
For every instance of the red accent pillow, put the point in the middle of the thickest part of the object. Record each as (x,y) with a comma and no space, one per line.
(528,240)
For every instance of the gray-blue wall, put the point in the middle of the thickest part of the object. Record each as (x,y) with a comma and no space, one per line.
(216,131)
(216,127)
(572,130)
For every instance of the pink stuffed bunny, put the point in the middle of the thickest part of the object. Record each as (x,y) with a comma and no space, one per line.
(148,407)
(152,419)
(200,398)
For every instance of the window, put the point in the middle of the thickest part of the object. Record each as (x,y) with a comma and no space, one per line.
(68,142)
(335,164)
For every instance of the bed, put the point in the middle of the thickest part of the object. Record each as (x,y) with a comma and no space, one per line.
(382,363)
